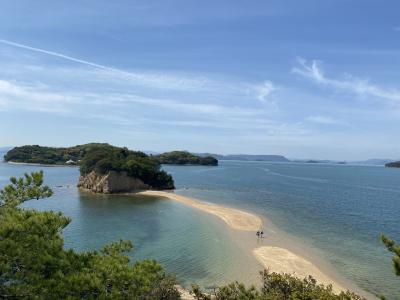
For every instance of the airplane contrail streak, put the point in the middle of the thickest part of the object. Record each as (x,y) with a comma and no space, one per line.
(60,55)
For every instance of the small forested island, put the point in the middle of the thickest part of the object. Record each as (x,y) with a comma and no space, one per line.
(35,154)
(104,168)
(395,164)
(185,158)
(109,169)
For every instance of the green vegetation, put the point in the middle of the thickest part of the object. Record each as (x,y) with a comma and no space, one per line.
(100,158)
(34,264)
(36,154)
(103,158)
(395,164)
(395,248)
(185,158)
(276,287)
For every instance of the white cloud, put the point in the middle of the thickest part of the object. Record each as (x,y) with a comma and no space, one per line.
(265,90)
(33,98)
(348,83)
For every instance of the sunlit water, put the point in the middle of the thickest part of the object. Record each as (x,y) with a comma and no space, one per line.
(338,209)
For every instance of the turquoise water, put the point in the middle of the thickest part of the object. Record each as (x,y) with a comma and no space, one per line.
(338,209)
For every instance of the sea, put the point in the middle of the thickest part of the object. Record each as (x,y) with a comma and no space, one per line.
(337,210)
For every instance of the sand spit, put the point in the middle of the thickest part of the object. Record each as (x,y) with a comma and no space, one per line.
(281,260)
(276,259)
(234,218)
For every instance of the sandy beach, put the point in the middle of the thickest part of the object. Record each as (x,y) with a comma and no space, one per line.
(276,259)
(281,260)
(234,218)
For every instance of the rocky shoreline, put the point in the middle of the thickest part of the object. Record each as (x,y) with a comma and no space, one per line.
(112,182)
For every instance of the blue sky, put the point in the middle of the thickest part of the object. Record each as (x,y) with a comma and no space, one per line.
(306,79)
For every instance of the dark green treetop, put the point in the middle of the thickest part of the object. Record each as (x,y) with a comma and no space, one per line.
(35,265)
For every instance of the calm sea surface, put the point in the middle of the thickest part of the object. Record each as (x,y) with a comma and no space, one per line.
(339,209)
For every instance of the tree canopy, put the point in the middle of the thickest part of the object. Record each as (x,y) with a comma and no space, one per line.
(104,158)
(35,265)
(395,249)
(185,158)
(276,287)
(97,157)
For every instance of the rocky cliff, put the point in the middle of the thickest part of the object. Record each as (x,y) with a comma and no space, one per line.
(112,182)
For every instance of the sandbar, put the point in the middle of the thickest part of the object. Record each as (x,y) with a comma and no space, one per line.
(234,218)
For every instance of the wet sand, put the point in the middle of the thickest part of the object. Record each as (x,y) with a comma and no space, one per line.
(234,218)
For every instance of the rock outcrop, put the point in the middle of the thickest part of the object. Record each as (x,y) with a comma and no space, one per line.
(112,182)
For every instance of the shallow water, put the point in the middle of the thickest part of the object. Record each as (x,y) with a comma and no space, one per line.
(337,209)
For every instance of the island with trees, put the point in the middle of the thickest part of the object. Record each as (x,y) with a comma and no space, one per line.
(103,168)
(185,158)
(395,164)
(35,154)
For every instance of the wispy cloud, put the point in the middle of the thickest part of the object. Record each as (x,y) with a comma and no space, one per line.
(33,98)
(160,80)
(325,120)
(265,90)
(359,86)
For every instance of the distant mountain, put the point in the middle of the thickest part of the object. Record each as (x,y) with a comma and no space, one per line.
(252,157)
(319,161)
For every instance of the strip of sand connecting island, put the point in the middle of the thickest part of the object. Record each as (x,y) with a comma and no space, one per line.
(276,259)
(234,218)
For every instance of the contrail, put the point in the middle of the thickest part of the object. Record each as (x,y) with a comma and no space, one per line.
(165,82)
(60,55)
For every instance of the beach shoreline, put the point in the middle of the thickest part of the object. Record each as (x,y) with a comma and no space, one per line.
(275,252)
(38,165)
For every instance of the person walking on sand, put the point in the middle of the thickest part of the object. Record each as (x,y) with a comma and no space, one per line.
(262,233)
(258,233)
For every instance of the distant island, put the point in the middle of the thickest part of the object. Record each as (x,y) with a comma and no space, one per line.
(395,164)
(35,154)
(185,158)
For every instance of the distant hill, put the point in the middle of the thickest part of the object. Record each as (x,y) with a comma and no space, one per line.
(252,157)
(185,158)
(36,154)
(395,164)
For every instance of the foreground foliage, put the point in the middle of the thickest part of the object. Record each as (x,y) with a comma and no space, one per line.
(395,248)
(276,287)
(34,264)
